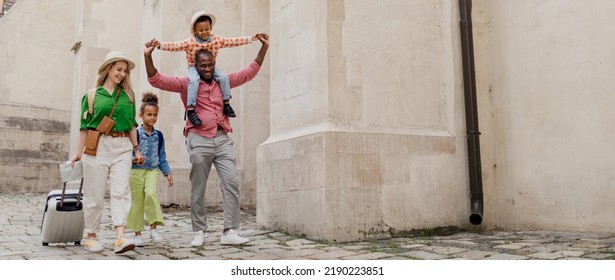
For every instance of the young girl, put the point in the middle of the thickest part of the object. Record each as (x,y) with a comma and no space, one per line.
(144,178)
(202,38)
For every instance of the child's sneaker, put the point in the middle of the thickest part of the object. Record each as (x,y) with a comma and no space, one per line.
(139,241)
(124,245)
(228,110)
(93,245)
(156,237)
(194,119)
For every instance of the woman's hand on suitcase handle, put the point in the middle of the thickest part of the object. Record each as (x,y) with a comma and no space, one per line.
(76,157)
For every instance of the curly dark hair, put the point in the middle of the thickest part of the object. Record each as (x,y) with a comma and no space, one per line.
(149,98)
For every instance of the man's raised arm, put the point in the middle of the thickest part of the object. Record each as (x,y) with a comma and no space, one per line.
(158,80)
(149,62)
(264,38)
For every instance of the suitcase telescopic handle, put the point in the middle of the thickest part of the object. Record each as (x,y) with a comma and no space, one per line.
(78,195)
(62,196)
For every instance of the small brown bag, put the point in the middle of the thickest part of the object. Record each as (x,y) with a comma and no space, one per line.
(91,142)
(106,125)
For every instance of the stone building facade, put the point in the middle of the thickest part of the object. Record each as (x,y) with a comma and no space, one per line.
(355,126)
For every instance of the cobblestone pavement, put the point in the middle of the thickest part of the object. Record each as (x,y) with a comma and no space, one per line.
(20,239)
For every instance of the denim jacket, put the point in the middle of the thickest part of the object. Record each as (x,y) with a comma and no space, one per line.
(152,148)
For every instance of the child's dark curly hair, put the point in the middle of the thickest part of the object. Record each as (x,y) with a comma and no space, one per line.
(149,98)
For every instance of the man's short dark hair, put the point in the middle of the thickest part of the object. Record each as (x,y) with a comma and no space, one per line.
(203,51)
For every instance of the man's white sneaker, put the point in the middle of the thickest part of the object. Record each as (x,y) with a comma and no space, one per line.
(199,238)
(138,241)
(156,237)
(232,238)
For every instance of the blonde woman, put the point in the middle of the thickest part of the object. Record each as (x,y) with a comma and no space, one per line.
(112,163)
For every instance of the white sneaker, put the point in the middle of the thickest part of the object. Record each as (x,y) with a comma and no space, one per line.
(232,238)
(138,241)
(93,245)
(123,245)
(156,237)
(198,239)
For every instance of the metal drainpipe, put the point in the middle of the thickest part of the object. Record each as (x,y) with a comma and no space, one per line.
(469,86)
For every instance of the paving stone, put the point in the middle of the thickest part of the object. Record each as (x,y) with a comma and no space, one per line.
(535,249)
(572,253)
(264,247)
(238,255)
(443,250)
(424,255)
(330,248)
(599,256)
(152,257)
(333,255)
(300,253)
(412,246)
(14,253)
(356,247)
(369,256)
(506,257)
(512,246)
(596,245)
(474,254)
(260,256)
(298,242)
(274,251)
(459,243)
(263,241)
(546,256)
(308,246)
(395,258)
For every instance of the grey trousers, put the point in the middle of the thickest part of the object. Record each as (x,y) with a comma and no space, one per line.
(203,152)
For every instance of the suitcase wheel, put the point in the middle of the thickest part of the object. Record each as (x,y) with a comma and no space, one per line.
(45,244)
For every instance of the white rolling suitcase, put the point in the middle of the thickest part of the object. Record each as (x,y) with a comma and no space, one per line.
(63,216)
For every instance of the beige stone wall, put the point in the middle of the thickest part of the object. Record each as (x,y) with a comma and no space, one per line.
(367,120)
(35,57)
(552,65)
(35,88)
(33,141)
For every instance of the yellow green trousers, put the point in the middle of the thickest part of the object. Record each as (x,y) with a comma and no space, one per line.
(143,190)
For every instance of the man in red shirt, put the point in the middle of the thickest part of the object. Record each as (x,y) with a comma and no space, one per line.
(209,142)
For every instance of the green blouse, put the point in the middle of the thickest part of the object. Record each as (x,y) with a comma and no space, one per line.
(124,115)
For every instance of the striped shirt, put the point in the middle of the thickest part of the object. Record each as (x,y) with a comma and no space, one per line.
(191,46)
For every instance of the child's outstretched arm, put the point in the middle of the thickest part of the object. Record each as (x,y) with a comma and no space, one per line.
(235,42)
(173,46)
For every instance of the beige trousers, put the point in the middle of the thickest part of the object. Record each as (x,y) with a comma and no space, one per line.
(111,166)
